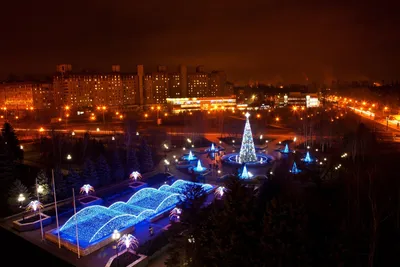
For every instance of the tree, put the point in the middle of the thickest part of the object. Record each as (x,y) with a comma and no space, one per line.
(11,143)
(89,174)
(103,171)
(247,150)
(132,162)
(73,181)
(61,184)
(117,168)
(42,180)
(146,158)
(15,190)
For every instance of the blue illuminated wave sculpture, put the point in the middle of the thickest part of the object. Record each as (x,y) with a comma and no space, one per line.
(97,222)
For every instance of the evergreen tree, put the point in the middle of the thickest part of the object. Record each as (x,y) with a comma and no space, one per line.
(89,174)
(73,181)
(132,162)
(6,168)
(247,150)
(60,184)
(103,171)
(15,190)
(117,168)
(42,180)
(11,143)
(146,158)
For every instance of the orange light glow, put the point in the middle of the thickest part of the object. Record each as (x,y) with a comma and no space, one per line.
(294,108)
(41,129)
(59,119)
(258,116)
(66,108)
(145,115)
(277,119)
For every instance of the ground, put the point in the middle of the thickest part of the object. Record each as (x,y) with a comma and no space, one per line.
(100,257)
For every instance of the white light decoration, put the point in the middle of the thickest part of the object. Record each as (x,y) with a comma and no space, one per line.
(34,205)
(86,188)
(219,192)
(135,175)
(247,150)
(129,242)
(175,214)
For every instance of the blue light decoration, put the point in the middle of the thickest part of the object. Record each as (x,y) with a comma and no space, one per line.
(199,167)
(212,147)
(286,149)
(245,174)
(190,157)
(307,158)
(294,169)
(97,222)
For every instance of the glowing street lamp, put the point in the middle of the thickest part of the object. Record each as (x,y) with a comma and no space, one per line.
(116,236)
(21,147)
(21,199)
(40,189)
(69,157)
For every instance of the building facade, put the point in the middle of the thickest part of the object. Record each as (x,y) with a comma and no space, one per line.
(27,95)
(179,105)
(88,90)
(308,100)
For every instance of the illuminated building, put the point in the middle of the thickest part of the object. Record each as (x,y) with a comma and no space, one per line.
(22,95)
(308,100)
(160,85)
(175,85)
(91,89)
(218,86)
(202,103)
(148,89)
(198,85)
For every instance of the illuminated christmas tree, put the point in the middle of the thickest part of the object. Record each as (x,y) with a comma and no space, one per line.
(247,150)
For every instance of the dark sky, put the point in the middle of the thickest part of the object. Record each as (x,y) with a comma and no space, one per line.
(265,40)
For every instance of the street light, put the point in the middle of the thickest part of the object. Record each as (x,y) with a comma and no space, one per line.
(21,199)
(40,189)
(115,236)
(69,157)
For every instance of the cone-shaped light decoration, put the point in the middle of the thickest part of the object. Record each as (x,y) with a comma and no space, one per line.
(247,150)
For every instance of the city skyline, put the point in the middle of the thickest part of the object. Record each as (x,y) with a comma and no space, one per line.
(266,42)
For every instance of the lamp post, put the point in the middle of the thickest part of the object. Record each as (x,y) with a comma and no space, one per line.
(115,236)
(66,116)
(39,190)
(21,199)
(158,117)
(69,158)
(103,109)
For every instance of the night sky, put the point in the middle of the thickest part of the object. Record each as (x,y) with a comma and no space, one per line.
(268,41)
